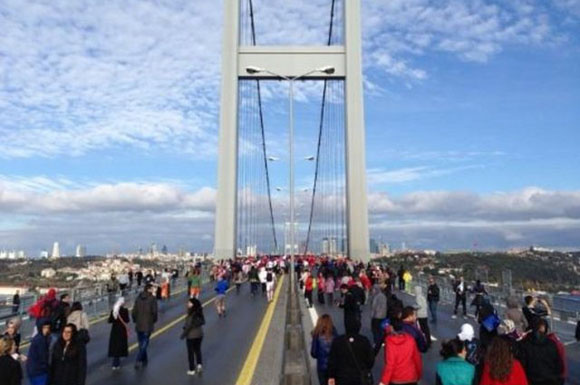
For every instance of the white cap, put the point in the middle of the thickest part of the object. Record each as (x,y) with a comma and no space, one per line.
(467,333)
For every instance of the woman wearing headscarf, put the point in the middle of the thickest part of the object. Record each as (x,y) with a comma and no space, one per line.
(118,339)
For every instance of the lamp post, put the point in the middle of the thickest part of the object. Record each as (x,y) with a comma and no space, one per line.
(328,70)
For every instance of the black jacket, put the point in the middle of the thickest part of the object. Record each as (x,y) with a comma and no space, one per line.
(10,371)
(68,367)
(541,360)
(144,312)
(433,293)
(118,339)
(341,362)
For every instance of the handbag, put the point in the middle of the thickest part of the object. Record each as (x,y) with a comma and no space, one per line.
(366,376)
(491,322)
(84,336)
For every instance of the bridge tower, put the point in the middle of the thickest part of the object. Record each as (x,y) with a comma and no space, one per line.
(291,61)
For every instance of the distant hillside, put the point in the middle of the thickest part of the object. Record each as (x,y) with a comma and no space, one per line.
(549,271)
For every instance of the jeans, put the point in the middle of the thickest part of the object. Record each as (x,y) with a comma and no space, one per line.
(378,333)
(254,287)
(460,299)
(433,310)
(143,340)
(193,352)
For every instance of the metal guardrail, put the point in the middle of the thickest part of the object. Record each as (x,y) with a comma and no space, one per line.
(96,301)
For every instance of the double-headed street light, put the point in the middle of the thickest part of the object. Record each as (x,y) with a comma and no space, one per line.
(328,70)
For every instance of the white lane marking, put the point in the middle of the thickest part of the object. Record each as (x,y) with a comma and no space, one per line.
(433,338)
(569,343)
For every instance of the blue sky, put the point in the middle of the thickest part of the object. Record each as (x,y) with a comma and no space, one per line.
(109,118)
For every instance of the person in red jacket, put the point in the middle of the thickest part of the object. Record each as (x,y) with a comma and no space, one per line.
(501,367)
(403,364)
(308,287)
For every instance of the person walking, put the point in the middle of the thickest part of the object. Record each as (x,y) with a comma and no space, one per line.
(220,299)
(472,344)
(422,317)
(270,285)
(16,302)
(68,364)
(321,287)
(308,288)
(403,363)
(322,336)
(433,295)
(400,277)
(144,315)
(329,289)
(378,314)
(119,336)
(454,369)
(193,335)
(10,370)
(460,297)
(540,356)
(37,364)
(351,358)
(80,319)
(501,367)
(194,282)
(409,326)
(479,299)
(238,280)
(254,280)
(351,308)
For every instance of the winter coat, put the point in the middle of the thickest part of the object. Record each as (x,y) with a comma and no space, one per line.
(433,293)
(455,371)
(10,370)
(417,335)
(221,287)
(320,350)
(145,312)
(119,337)
(68,366)
(517,376)
(378,304)
(403,362)
(38,355)
(341,362)
(541,360)
(193,326)
(79,319)
(421,302)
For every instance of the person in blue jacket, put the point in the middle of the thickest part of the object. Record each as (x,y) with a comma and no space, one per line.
(38,354)
(322,336)
(409,326)
(220,299)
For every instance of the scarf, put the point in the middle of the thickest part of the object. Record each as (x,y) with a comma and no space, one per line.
(117,307)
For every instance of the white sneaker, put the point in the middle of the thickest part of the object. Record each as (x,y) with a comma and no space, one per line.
(191,372)
(199,368)
(453,316)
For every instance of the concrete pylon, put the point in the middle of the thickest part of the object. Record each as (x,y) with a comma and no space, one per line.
(292,61)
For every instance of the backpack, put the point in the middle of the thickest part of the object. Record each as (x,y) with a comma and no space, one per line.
(473,351)
(269,277)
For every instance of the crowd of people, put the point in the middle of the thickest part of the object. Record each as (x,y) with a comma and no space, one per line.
(518,349)
(57,351)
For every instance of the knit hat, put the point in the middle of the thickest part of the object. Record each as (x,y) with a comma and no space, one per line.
(467,333)
(507,326)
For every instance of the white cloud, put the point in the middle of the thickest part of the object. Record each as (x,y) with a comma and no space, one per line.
(377,176)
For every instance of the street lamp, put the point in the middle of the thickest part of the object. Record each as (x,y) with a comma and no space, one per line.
(328,70)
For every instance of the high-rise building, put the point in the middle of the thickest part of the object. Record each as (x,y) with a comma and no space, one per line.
(325,246)
(373,246)
(81,251)
(55,250)
(164,250)
(44,254)
(332,246)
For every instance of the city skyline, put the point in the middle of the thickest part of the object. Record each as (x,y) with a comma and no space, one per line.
(108,128)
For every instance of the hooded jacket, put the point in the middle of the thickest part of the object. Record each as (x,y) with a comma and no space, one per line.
(38,354)
(403,362)
(144,312)
(541,360)
(416,334)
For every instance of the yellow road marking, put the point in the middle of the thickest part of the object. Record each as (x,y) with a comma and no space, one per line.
(247,373)
(173,323)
